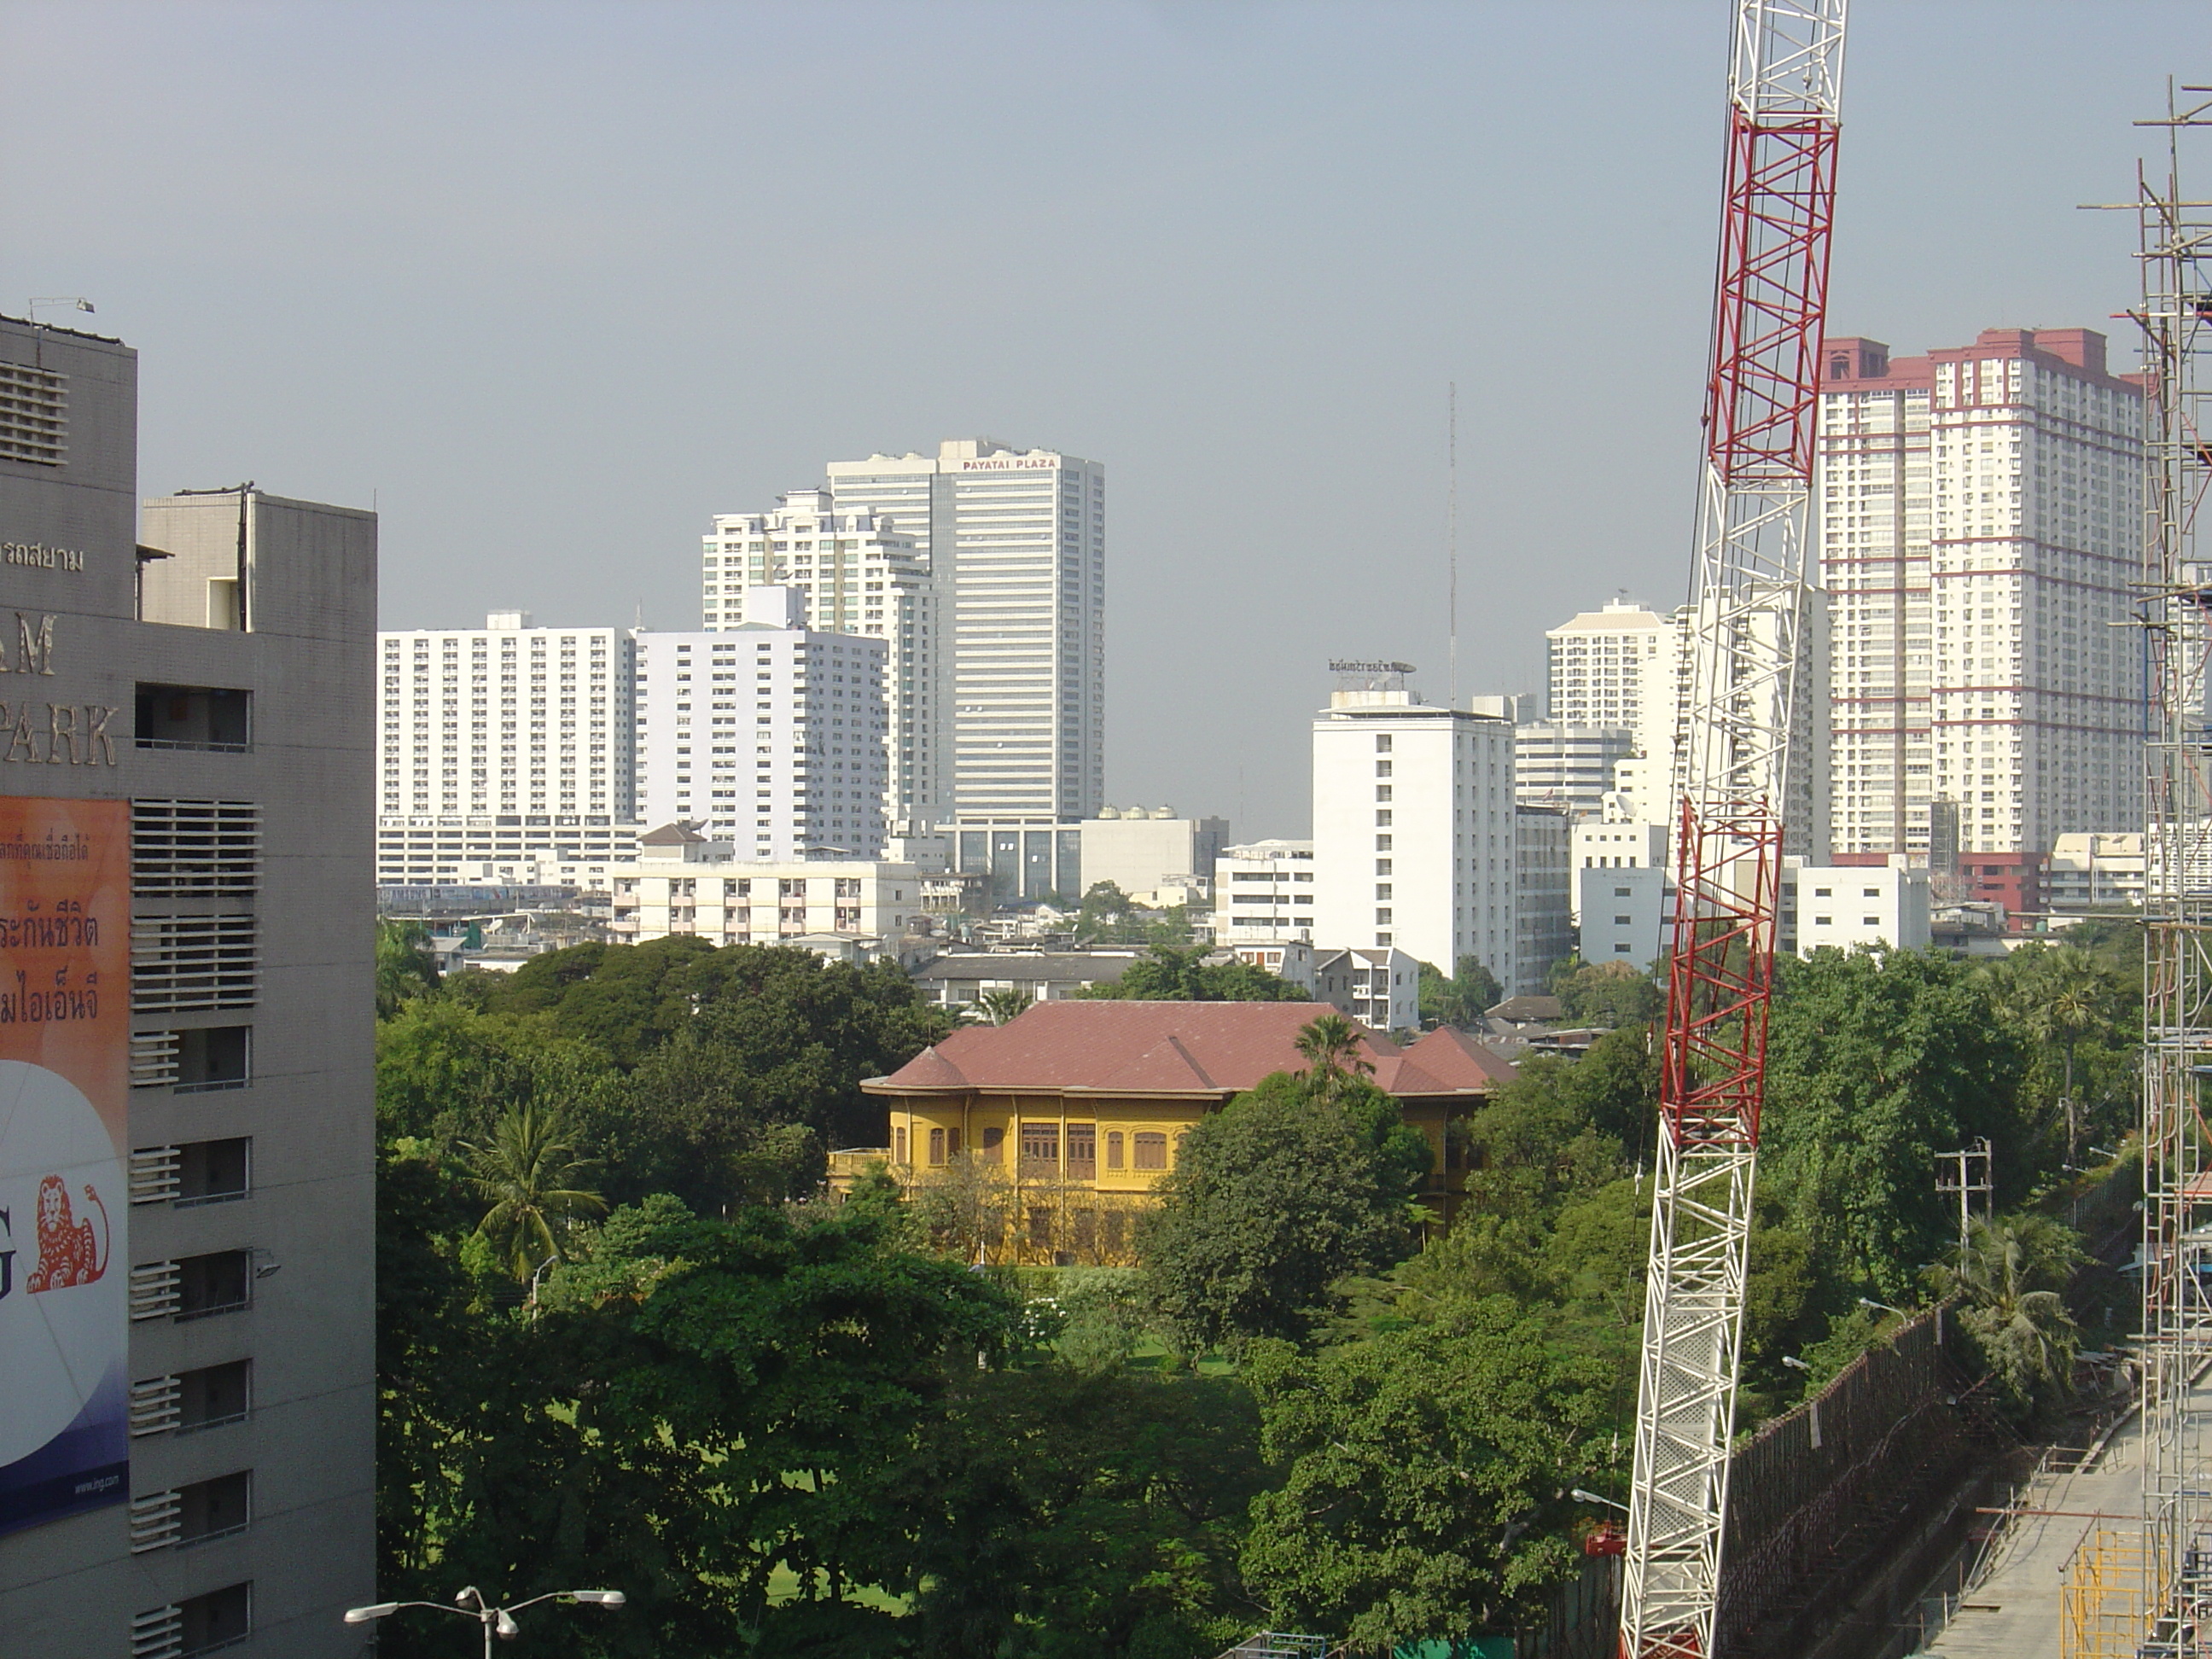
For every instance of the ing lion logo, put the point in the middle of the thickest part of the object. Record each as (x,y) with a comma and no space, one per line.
(67,1254)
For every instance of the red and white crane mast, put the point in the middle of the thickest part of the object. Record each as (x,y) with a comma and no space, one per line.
(1747,605)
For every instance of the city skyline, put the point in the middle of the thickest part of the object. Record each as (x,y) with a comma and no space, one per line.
(448,280)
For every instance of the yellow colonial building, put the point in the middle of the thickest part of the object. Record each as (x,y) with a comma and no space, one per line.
(1038,1140)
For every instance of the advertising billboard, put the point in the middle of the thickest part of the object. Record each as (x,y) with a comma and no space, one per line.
(64,1147)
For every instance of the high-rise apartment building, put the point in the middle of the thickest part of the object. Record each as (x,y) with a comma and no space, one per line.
(187,1454)
(769,735)
(505,720)
(854,575)
(1570,769)
(1016,540)
(1978,512)
(1616,666)
(1416,841)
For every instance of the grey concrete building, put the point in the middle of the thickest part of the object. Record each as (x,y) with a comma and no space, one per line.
(194,1338)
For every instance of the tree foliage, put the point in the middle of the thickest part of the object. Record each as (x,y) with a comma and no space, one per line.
(1271,1199)
(1424,1471)
(1170,974)
(1461,998)
(1876,1061)
(1609,993)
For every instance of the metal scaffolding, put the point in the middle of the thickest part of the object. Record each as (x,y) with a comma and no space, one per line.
(2175,252)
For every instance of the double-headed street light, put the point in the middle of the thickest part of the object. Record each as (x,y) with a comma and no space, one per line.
(500,1621)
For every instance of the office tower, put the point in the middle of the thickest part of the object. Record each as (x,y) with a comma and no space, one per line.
(856,576)
(1978,528)
(769,735)
(1416,843)
(1017,543)
(505,720)
(188,1454)
(1544,901)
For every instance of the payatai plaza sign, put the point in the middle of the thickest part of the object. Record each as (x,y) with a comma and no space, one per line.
(40,732)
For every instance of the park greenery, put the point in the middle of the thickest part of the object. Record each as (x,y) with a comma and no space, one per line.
(627,1337)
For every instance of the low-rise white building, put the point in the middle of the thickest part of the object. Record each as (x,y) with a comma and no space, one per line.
(770,735)
(1380,988)
(2093,873)
(1141,849)
(506,850)
(684,884)
(1623,913)
(1602,844)
(1850,905)
(1263,891)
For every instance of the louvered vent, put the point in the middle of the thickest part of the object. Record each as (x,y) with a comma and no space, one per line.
(194,848)
(183,963)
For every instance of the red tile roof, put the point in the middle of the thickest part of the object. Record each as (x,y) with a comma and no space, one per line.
(1172,1047)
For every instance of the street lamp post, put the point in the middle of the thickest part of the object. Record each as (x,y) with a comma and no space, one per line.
(500,1621)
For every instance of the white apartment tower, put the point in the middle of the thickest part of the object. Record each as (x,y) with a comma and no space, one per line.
(1979,507)
(767,735)
(505,720)
(1615,667)
(854,575)
(1016,540)
(1416,843)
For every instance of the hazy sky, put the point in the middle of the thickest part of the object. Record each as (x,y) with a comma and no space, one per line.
(549,284)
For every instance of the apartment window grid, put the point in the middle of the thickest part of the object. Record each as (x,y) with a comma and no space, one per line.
(33,415)
(1974,531)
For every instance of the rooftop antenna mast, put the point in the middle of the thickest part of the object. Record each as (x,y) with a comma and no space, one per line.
(1746,609)
(1451,534)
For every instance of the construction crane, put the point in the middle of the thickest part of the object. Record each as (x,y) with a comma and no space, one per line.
(1747,617)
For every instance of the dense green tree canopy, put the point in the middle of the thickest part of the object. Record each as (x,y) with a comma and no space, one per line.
(1169,975)
(1274,1198)
(1424,1472)
(1460,998)
(1876,1061)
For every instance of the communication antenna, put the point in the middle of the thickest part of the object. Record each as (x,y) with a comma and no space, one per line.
(1451,534)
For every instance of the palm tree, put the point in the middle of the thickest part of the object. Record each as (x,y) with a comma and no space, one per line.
(2006,1276)
(403,967)
(1331,1047)
(997,1007)
(529,1173)
(2065,996)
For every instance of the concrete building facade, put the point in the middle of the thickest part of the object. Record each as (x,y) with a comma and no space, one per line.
(1852,907)
(1568,768)
(1623,913)
(416,851)
(505,719)
(1016,540)
(769,735)
(852,576)
(1979,513)
(1544,901)
(1263,893)
(683,884)
(1141,849)
(192,745)
(1415,838)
